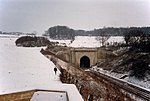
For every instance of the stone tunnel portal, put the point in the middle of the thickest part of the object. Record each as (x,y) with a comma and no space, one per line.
(85,62)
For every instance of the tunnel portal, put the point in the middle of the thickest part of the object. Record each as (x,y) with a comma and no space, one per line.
(85,62)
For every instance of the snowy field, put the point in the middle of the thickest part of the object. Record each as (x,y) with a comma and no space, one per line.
(89,41)
(85,41)
(23,68)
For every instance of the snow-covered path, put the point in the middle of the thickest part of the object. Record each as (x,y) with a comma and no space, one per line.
(24,68)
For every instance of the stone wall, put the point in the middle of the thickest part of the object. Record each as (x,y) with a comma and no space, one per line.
(18,96)
(91,86)
(74,55)
(77,54)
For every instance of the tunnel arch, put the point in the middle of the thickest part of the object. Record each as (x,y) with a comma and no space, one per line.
(85,62)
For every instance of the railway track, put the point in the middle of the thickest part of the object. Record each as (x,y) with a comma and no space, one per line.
(140,92)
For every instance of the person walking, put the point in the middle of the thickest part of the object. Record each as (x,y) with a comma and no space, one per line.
(55,70)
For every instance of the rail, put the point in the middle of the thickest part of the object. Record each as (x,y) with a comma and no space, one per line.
(142,93)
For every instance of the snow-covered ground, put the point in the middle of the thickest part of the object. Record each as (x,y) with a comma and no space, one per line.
(61,42)
(72,93)
(89,41)
(115,39)
(54,96)
(85,41)
(23,68)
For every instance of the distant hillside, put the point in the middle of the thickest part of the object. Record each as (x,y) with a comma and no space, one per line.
(64,32)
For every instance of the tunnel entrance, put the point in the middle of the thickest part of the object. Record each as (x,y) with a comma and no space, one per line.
(85,62)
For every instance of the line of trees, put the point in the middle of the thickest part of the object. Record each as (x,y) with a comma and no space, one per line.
(64,32)
(60,32)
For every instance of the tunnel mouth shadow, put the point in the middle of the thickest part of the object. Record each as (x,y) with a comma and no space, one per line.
(85,62)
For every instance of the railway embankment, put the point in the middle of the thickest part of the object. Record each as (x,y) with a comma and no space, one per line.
(97,87)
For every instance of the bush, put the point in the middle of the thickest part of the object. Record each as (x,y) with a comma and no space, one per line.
(139,69)
(137,40)
(28,41)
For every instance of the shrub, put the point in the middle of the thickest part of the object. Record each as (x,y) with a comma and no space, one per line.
(28,41)
(139,69)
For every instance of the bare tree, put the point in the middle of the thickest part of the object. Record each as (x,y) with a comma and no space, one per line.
(133,37)
(103,37)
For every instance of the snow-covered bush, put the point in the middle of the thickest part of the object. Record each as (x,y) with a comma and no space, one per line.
(28,41)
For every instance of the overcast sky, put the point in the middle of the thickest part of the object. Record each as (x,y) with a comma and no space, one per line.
(39,15)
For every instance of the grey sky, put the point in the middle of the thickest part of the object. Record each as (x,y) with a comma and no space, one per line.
(39,15)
